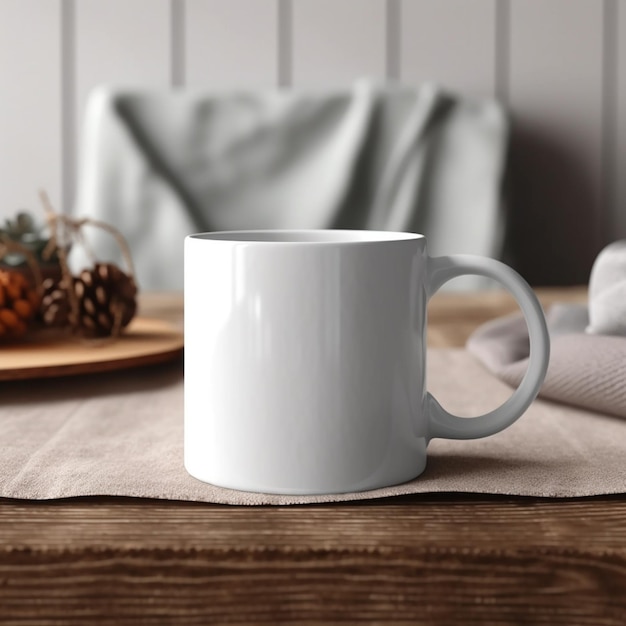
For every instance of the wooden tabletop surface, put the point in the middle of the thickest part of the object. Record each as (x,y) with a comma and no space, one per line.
(441,559)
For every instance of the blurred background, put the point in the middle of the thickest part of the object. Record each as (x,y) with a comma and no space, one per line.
(558,66)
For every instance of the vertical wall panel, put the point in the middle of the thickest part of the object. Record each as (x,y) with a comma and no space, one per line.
(232,43)
(451,43)
(552,73)
(30,103)
(618,221)
(121,42)
(338,41)
(556,69)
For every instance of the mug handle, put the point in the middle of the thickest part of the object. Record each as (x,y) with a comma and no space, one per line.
(444,424)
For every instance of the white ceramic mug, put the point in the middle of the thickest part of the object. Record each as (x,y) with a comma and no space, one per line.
(305,358)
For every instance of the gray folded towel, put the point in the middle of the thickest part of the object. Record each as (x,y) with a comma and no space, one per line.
(588,344)
(163,164)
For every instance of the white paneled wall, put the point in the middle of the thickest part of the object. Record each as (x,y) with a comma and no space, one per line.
(31,150)
(452,42)
(556,62)
(231,43)
(617,149)
(560,65)
(335,41)
(121,42)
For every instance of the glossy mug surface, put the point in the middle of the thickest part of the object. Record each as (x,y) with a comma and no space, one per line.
(305,358)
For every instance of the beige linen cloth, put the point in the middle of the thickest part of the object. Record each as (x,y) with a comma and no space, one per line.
(121,434)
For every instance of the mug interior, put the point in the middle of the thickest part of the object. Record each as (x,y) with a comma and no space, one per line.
(308,236)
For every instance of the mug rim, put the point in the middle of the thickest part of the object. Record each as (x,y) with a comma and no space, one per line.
(312,236)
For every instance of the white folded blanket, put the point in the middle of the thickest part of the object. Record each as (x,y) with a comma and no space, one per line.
(607,291)
(163,164)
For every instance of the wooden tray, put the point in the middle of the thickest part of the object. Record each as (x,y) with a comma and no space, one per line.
(145,342)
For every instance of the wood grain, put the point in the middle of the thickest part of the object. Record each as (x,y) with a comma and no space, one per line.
(421,523)
(145,342)
(424,560)
(432,559)
(452,317)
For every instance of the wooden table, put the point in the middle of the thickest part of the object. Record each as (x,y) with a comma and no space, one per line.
(420,560)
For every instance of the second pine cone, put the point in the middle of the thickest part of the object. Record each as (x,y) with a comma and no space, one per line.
(106,300)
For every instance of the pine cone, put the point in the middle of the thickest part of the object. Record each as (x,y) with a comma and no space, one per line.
(55,304)
(106,298)
(19,302)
